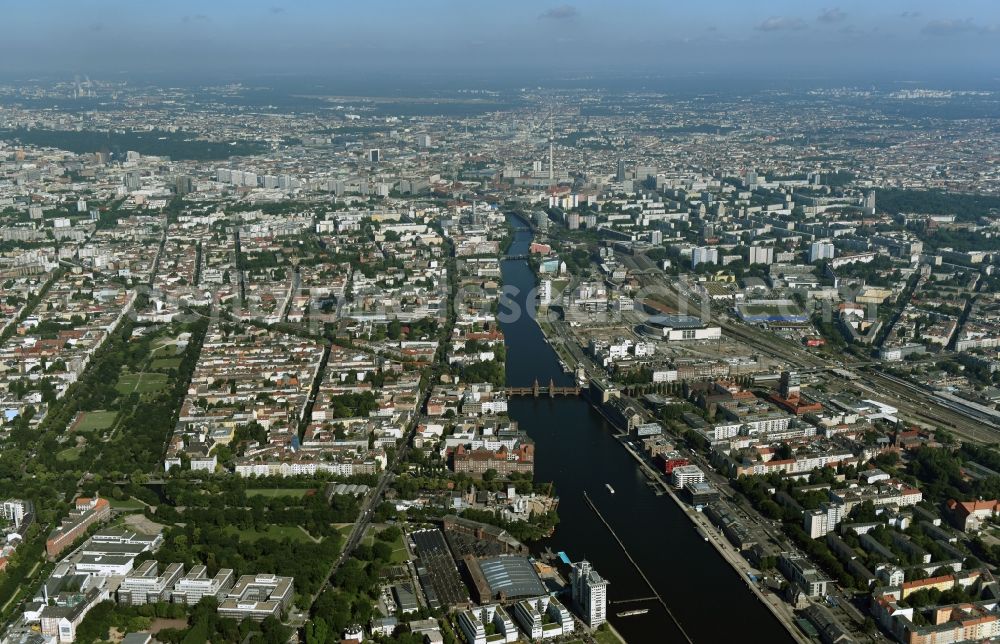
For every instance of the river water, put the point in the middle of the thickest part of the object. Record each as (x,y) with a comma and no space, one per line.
(576,449)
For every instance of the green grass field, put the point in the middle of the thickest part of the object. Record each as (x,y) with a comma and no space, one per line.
(165,363)
(69,455)
(96,421)
(607,637)
(399,550)
(142,383)
(164,347)
(398,547)
(276,532)
(278,491)
(129,504)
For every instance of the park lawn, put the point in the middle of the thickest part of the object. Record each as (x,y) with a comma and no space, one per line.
(607,637)
(142,382)
(129,504)
(69,454)
(399,554)
(96,421)
(165,363)
(279,491)
(165,348)
(276,532)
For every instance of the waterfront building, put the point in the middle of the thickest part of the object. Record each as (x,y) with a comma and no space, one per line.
(590,593)
(682,475)
(473,624)
(543,618)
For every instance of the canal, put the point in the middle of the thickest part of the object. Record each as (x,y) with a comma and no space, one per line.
(577,451)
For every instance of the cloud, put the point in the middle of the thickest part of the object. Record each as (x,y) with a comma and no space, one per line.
(910,14)
(832,15)
(781,23)
(954,27)
(277,10)
(97,26)
(198,17)
(562,12)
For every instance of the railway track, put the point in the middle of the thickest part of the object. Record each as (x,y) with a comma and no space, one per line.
(914,403)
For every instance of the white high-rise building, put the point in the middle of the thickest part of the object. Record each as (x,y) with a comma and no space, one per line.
(818,523)
(704,255)
(14,510)
(821,250)
(761,255)
(545,292)
(590,593)
(870,203)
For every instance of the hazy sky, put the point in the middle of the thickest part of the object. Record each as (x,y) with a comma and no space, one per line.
(742,37)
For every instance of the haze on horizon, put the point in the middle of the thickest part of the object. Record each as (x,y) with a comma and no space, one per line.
(398,38)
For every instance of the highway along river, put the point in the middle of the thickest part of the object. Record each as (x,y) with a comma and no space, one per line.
(576,449)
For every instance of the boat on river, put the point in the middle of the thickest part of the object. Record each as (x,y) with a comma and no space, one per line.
(630,613)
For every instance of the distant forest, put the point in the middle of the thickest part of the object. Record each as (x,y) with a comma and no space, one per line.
(176,145)
(965,207)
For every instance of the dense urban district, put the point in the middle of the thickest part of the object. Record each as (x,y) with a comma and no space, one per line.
(254,378)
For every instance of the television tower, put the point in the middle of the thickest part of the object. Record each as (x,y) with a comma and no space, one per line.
(552,174)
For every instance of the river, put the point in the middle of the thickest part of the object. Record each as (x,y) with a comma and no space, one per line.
(577,451)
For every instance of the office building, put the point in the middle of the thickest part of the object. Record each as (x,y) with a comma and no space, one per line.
(374,155)
(145,584)
(190,588)
(685,474)
(258,597)
(803,574)
(620,176)
(590,593)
